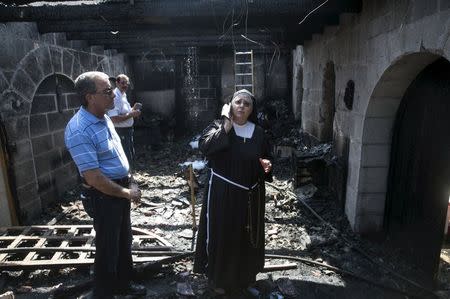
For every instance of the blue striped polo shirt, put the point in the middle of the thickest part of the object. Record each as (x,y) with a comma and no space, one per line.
(93,143)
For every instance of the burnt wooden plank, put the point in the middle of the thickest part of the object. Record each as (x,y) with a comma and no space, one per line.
(41,256)
(16,241)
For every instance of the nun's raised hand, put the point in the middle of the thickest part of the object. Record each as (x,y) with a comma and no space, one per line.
(266,165)
(226,111)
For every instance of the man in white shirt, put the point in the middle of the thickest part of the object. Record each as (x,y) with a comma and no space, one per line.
(122,115)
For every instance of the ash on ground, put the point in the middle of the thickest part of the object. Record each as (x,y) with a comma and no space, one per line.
(362,269)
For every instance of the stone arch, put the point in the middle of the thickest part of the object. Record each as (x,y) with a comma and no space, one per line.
(16,106)
(371,179)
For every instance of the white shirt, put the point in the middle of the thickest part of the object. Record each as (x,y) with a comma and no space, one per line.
(246,130)
(121,107)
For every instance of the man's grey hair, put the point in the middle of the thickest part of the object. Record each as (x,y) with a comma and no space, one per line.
(85,84)
(122,76)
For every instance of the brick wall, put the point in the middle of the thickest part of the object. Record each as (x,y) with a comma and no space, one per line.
(33,119)
(203,95)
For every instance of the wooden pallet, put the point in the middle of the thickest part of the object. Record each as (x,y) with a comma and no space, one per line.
(58,246)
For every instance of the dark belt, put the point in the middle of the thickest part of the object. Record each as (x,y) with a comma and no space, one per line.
(124,182)
(123,129)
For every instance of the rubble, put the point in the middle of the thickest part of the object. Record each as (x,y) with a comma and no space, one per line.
(326,262)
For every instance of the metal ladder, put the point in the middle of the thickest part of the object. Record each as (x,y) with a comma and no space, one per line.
(243,70)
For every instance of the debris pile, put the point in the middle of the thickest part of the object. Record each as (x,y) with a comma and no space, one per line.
(311,251)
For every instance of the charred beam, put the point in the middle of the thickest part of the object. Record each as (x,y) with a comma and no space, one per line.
(168,46)
(181,32)
(156,8)
(167,53)
(210,39)
(107,25)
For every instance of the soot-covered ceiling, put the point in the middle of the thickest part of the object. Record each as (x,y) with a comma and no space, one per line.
(137,26)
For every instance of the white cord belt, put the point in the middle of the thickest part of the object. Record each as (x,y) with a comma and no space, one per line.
(231,182)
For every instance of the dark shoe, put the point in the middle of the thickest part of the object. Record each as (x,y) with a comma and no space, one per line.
(133,289)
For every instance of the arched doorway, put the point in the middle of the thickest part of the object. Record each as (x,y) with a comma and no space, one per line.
(419,172)
(54,103)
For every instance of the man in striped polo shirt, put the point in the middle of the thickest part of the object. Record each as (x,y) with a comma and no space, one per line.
(95,147)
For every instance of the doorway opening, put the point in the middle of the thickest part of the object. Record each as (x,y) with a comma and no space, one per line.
(419,172)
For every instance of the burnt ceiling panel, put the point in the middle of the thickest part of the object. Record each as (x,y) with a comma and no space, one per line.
(134,26)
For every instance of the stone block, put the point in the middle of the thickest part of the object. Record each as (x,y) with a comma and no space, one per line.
(47,162)
(435,31)
(30,65)
(378,130)
(23,84)
(371,203)
(373,179)
(21,152)
(99,50)
(205,67)
(31,210)
(383,107)
(58,121)
(44,60)
(45,182)
(357,127)
(351,201)
(67,62)
(56,58)
(78,44)
(379,25)
(375,155)
(4,83)
(49,196)
(64,176)
(76,68)
(209,93)
(203,81)
(105,66)
(368,223)
(48,38)
(87,61)
(353,174)
(42,144)
(27,194)
(66,157)
(420,9)
(444,5)
(13,50)
(17,128)
(61,40)
(24,174)
(72,101)
(43,104)
(58,139)
(38,125)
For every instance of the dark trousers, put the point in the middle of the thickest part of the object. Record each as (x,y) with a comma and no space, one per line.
(126,137)
(113,261)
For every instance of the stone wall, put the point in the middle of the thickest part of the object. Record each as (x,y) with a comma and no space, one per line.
(27,59)
(202,94)
(381,50)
